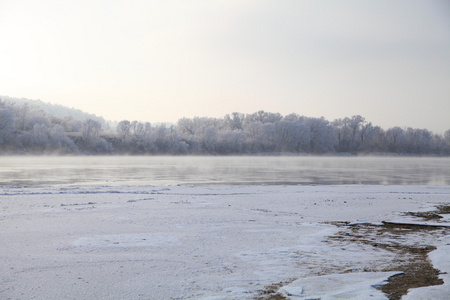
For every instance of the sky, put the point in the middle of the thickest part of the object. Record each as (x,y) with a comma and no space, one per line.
(159,61)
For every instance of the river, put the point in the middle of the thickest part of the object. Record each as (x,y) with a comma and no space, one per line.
(221,170)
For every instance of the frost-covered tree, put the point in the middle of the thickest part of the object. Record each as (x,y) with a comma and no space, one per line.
(25,128)
(137,130)
(230,142)
(59,140)
(446,142)
(395,140)
(123,129)
(234,121)
(418,141)
(292,136)
(6,126)
(322,138)
(263,117)
(348,132)
(91,129)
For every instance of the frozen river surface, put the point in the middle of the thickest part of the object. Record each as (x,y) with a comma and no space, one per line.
(211,242)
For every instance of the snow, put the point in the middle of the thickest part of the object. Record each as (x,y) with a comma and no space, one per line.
(440,259)
(338,286)
(203,242)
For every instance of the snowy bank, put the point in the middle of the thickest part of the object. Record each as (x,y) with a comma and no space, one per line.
(335,286)
(205,242)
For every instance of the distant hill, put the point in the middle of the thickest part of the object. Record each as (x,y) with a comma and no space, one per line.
(57,110)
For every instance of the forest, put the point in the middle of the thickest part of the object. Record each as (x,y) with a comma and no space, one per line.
(26,128)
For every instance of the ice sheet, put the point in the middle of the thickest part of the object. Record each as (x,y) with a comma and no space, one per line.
(338,286)
(194,242)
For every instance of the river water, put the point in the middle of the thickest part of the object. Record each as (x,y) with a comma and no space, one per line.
(222,170)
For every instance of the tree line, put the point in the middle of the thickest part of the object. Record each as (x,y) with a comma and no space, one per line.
(26,129)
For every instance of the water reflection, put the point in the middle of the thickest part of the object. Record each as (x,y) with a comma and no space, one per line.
(168,170)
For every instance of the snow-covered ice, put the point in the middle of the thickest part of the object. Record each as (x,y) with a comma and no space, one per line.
(338,286)
(203,242)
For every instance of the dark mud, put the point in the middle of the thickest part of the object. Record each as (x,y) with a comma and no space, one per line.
(270,292)
(408,243)
(431,215)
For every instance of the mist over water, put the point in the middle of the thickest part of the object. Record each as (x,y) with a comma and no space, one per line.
(221,170)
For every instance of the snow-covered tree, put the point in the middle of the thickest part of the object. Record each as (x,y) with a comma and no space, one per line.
(6,126)
(395,140)
(91,129)
(123,129)
(25,128)
(322,138)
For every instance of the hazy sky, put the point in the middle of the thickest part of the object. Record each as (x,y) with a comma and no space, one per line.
(386,60)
